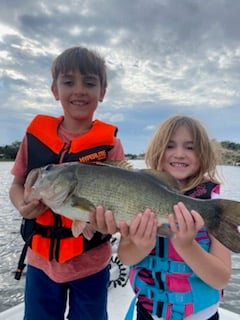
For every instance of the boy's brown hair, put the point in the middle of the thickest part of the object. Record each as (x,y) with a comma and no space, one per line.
(82,59)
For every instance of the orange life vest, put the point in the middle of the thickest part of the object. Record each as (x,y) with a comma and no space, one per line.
(51,238)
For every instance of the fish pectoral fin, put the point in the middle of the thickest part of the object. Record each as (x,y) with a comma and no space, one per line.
(82,227)
(82,203)
(88,231)
(164,231)
(78,227)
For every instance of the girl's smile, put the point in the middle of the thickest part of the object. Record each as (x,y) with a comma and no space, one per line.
(180,158)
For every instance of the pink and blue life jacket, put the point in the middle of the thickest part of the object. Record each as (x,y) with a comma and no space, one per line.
(164,284)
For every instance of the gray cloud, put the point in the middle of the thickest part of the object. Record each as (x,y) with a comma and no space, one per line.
(163,57)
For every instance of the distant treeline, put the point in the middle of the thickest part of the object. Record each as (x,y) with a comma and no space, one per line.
(9,152)
(231,152)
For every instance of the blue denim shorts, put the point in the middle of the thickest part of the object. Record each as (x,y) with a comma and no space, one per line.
(47,300)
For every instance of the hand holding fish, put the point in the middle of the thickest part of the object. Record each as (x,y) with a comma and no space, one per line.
(184,224)
(143,230)
(103,221)
(32,209)
(140,235)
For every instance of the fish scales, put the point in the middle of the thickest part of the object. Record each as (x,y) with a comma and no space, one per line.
(125,192)
(128,192)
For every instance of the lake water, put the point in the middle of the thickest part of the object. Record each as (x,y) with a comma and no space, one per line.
(11,290)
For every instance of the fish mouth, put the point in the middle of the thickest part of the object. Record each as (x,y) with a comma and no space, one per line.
(29,185)
(32,178)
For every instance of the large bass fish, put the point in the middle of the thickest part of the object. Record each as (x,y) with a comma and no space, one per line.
(73,189)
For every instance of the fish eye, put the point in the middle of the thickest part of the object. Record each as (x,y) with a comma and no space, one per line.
(48,167)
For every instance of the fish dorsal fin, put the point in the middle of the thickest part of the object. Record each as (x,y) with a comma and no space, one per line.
(164,177)
(124,164)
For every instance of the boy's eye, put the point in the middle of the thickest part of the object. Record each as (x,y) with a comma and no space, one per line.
(90,83)
(68,82)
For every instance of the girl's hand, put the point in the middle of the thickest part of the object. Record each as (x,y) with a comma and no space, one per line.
(103,221)
(142,231)
(184,224)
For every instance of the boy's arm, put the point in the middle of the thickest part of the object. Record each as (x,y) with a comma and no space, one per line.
(16,194)
(117,152)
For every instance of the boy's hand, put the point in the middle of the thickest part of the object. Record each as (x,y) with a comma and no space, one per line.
(32,209)
(103,221)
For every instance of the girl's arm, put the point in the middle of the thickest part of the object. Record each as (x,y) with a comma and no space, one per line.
(212,267)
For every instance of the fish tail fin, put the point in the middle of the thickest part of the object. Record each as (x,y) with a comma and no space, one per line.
(228,221)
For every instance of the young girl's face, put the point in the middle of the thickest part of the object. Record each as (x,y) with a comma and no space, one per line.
(180,159)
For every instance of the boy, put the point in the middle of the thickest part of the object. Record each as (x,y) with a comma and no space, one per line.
(60,265)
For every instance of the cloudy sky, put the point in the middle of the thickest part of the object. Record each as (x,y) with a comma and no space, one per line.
(164,57)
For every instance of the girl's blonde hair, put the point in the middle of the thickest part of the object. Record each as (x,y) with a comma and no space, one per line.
(204,148)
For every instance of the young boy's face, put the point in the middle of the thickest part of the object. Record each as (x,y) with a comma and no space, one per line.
(79,94)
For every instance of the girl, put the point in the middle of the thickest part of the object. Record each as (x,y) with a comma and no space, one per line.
(181,277)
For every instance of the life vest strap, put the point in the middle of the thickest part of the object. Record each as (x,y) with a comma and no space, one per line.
(161,264)
(53,232)
(21,261)
(157,295)
(57,233)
